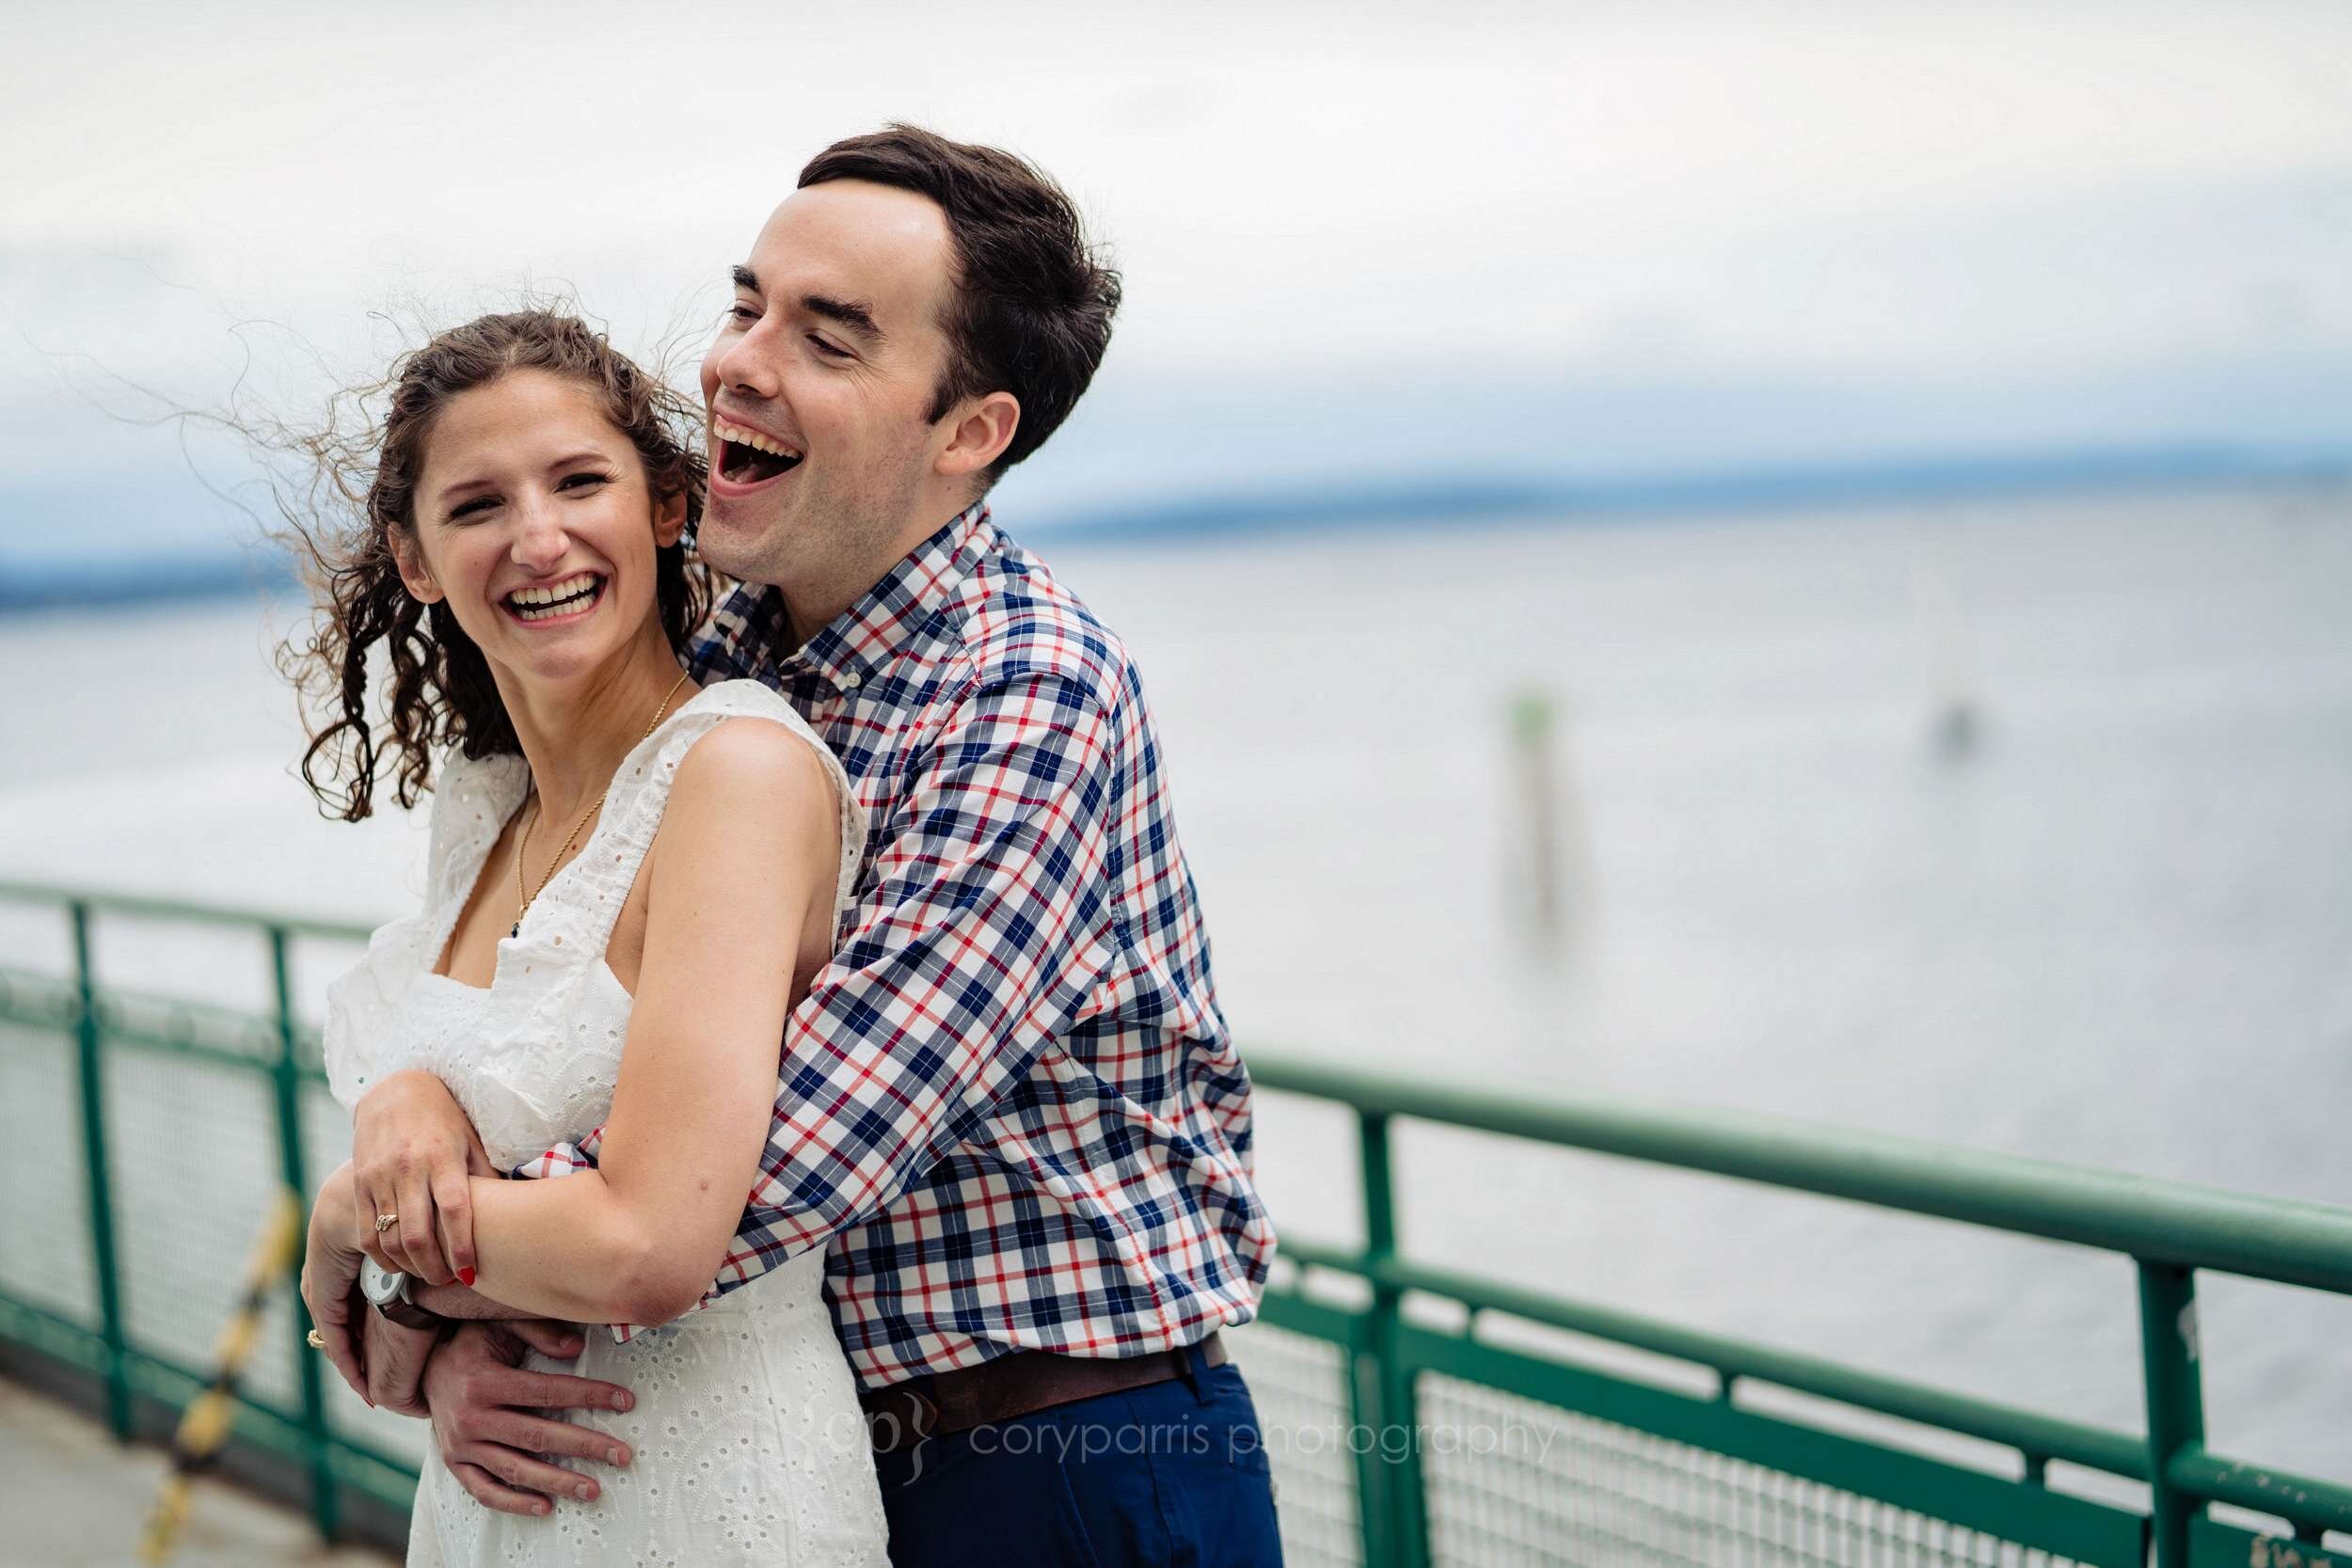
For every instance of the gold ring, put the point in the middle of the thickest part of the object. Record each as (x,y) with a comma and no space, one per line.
(384,1222)
(316,1343)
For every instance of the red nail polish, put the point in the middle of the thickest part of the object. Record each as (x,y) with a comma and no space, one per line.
(465,1277)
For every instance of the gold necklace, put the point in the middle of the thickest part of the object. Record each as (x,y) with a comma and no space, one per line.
(522,846)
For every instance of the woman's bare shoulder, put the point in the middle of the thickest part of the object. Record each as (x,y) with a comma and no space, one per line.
(746,773)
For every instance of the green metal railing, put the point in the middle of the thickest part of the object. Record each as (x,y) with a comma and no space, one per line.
(1647,1472)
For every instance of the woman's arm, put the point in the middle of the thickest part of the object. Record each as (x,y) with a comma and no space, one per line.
(747,849)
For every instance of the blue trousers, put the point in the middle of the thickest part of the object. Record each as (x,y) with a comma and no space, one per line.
(1174,1473)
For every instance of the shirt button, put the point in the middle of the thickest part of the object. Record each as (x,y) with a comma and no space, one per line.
(849,683)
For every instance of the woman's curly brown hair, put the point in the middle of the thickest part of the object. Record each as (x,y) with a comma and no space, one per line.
(440,691)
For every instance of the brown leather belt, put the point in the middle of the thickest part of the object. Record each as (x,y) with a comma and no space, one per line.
(1020,1384)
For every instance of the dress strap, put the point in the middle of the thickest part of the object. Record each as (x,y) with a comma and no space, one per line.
(583,900)
(474,798)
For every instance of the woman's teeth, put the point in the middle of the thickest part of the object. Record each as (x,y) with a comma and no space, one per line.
(556,598)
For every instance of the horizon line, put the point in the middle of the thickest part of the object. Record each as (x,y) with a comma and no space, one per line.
(1308,506)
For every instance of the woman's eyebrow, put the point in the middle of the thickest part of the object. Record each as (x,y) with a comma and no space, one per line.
(585,454)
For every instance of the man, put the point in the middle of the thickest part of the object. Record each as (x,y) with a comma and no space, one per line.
(1010,1109)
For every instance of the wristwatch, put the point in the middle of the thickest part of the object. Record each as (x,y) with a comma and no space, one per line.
(389,1291)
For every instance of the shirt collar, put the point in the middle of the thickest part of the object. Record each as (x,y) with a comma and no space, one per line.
(848,649)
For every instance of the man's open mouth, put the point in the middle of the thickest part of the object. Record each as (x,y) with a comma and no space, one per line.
(567,598)
(747,457)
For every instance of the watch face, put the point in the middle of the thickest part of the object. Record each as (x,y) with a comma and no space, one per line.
(377,1283)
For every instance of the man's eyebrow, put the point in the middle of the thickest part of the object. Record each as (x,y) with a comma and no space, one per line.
(855,314)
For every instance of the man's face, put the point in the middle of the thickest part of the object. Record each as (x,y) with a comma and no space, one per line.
(829,361)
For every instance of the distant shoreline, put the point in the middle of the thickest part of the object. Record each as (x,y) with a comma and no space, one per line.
(1715,492)
(1445,500)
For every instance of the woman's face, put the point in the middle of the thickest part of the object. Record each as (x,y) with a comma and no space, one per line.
(534,522)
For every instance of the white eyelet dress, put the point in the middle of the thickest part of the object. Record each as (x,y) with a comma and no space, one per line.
(749,1447)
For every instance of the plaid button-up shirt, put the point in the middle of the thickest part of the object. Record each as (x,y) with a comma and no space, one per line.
(1009,1106)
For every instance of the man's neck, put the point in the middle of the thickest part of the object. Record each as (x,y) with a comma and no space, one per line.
(808,609)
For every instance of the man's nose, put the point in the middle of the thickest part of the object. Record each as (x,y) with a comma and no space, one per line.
(745,362)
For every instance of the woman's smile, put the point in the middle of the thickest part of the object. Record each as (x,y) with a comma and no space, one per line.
(567,598)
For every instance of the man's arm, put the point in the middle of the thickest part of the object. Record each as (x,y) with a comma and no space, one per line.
(461,1305)
(394,1357)
(996,921)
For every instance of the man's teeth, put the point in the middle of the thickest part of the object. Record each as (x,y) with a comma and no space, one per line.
(729,431)
(537,604)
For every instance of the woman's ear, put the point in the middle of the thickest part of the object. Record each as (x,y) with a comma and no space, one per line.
(414,574)
(669,519)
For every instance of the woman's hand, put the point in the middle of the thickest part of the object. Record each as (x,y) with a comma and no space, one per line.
(330,1278)
(411,1151)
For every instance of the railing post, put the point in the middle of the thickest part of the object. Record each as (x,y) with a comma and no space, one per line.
(2176,1400)
(101,1215)
(1395,1517)
(288,1078)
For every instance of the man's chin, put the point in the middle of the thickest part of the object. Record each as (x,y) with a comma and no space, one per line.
(732,540)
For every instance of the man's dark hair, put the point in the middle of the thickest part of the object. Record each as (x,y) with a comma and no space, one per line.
(1033,306)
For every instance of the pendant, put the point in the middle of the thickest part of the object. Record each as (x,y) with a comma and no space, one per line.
(514,930)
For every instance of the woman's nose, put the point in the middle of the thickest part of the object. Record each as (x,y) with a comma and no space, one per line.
(540,540)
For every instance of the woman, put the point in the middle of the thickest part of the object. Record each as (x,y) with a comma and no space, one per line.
(631,882)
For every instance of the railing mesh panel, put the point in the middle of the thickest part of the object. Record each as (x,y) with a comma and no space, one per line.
(1513,1482)
(194,1166)
(193,1146)
(1299,1384)
(45,1255)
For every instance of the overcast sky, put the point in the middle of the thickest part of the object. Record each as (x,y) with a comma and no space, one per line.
(1403,205)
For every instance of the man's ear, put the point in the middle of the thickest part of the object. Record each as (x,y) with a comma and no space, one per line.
(669,519)
(978,433)
(413,571)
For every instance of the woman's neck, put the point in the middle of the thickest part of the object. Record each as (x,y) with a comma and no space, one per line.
(574,733)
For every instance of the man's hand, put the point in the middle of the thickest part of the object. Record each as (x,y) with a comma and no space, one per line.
(411,1151)
(394,1359)
(485,1422)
